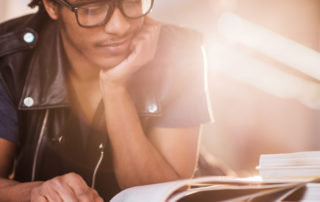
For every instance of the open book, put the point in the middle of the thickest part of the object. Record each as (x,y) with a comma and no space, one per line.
(205,189)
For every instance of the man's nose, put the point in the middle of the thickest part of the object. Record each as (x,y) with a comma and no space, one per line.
(118,24)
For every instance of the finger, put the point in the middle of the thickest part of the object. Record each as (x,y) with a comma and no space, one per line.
(97,197)
(86,197)
(72,187)
(48,189)
(150,32)
(66,193)
(149,29)
(151,26)
(135,42)
(149,21)
(52,198)
(36,195)
(38,199)
(90,196)
(76,183)
(146,36)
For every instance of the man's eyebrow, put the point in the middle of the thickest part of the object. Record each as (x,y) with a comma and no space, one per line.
(80,1)
(83,1)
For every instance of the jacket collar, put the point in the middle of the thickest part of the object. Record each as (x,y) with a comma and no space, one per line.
(45,85)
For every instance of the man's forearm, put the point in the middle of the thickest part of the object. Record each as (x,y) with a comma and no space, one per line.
(15,191)
(136,159)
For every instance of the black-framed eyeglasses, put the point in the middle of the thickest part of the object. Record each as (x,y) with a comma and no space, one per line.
(97,13)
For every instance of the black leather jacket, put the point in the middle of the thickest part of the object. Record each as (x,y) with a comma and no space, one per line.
(33,69)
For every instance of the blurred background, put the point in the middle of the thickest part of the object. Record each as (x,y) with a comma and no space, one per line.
(263,73)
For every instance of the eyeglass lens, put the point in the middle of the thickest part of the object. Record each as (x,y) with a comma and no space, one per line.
(95,13)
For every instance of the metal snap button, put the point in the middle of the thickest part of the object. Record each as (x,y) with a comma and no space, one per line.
(28,101)
(101,147)
(58,140)
(28,37)
(152,108)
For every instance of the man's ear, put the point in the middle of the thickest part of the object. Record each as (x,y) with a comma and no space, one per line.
(51,8)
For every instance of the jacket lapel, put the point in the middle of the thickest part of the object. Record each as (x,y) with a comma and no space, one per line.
(45,85)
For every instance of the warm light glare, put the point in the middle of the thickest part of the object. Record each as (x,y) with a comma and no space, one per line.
(264,76)
(205,64)
(255,178)
(271,44)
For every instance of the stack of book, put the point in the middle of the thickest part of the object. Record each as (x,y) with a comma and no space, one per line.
(284,177)
(291,166)
(294,166)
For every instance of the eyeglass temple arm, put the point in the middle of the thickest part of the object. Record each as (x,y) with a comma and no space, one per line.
(66,4)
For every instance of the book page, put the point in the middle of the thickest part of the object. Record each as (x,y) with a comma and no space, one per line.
(234,192)
(163,191)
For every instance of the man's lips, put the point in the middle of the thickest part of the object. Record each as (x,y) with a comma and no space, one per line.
(114,47)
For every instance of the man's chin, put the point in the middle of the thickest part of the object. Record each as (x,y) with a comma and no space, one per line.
(110,62)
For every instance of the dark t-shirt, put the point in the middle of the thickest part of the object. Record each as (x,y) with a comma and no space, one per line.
(8,118)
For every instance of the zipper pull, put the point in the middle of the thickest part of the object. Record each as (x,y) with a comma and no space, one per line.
(94,175)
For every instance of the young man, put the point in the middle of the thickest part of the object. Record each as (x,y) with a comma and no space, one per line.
(96,97)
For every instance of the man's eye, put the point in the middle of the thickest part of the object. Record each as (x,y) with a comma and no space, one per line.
(94,9)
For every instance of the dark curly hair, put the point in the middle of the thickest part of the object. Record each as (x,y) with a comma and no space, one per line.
(35,3)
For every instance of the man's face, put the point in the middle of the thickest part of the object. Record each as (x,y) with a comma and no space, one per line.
(104,46)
